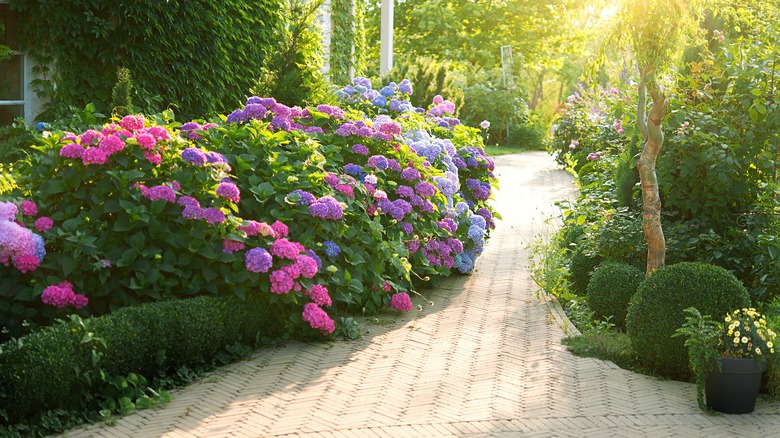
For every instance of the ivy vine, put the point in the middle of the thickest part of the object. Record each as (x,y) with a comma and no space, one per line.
(342,43)
(197,57)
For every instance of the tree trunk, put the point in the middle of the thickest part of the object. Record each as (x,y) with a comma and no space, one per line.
(652,133)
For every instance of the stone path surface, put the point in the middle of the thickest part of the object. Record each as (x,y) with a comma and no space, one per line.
(482,358)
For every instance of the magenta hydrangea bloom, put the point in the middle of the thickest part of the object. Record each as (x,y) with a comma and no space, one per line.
(258,260)
(146,140)
(281,282)
(26,263)
(318,319)
(192,211)
(91,137)
(164,192)
(43,223)
(319,295)
(72,150)
(132,123)
(229,191)
(94,156)
(159,133)
(229,246)
(29,208)
(285,249)
(401,301)
(213,215)
(62,295)
(307,266)
(111,144)
(153,158)
(332,111)
(280,229)
(294,271)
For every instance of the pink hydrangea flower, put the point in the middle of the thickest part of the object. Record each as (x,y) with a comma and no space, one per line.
(307,266)
(213,215)
(146,140)
(8,211)
(43,223)
(281,282)
(285,249)
(62,295)
(72,150)
(29,208)
(318,319)
(26,263)
(163,192)
(132,123)
(94,156)
(280,229)
(319,295)
(401,301)
(153,158)
(229,246)
(111,145)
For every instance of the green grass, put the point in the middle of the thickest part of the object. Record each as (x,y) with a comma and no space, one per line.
(494,150)
(608,345)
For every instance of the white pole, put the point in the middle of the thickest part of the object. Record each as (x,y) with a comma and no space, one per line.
(386,39)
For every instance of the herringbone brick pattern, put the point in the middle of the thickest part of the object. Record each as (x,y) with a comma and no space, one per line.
(482,358)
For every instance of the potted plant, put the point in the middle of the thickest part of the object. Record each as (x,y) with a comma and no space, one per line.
(728,358)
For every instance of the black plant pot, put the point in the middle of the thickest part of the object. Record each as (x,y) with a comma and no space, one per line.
(734,389)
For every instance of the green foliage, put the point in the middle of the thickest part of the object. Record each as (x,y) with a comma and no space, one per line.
(342,41)
(121,95)
(701,334)
(608,345)
(657,310)
(431,78)
(293,74)
(107,363)
(15,141)
(485,98)
(582,263)
(199,57)
(610,290)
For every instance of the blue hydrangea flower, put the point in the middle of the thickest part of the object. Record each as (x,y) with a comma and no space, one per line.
(331,248)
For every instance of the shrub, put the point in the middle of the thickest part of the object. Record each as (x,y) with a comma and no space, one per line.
(610,289)
(431,78)
(71,365)
(581,266)
(657,310)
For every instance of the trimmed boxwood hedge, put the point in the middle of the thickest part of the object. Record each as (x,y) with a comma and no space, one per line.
(610,290)
(656,311)
(59,367)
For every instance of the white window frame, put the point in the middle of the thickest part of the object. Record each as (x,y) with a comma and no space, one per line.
(30,104)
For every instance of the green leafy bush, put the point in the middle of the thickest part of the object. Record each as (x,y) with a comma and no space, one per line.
(201,57)
(431,78)
(610,290)
(657,310)
(74,365)
(582,263)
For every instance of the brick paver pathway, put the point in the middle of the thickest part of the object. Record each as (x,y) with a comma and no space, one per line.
(484,359)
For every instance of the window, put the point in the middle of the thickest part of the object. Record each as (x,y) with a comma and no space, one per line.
(13,73)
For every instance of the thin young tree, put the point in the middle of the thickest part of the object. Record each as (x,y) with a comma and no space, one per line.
(656,32)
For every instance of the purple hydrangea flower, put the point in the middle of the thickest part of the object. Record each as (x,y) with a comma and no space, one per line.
(194,156)
(212,215)
(258,260)
(353,169)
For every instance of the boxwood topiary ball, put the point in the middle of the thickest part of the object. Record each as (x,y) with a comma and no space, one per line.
(581,266)
(610,289)
(656,311)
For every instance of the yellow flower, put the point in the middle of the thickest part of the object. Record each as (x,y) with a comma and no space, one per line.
(737,334)
(728,318)
(770,344)
(758,351)
(744,339)
(757,324)
(736,341)
(736,323)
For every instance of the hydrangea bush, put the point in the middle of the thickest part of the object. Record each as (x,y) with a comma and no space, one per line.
(306,207)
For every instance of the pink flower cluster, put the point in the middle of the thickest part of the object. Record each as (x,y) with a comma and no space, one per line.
(401,301)
(319,295)
(62,295)
(96,147)
(441,107)
(18,244)
(318,319)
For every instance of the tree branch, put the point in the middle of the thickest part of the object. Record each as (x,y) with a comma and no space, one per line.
(641,120)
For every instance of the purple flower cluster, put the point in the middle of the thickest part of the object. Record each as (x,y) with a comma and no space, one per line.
(305,198)
(62,295)
(229,191)
(378,161)
(281,281)
(397,209)
(331,111)
(253,228)
(163,191)
(448,224)
(359,149)
(194,156)
(353,169)
(318,319)
(327,207)
(425,189)
(480,190)
(258,260)
(410,174)
(213,215)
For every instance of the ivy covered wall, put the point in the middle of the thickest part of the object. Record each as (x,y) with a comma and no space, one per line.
(348,40)
(199,57)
